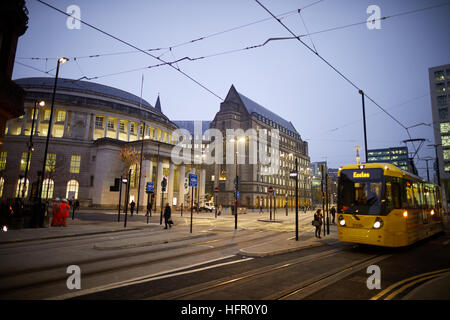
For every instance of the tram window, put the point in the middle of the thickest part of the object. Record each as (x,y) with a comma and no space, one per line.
(417,197)
(409,195)
(393,195)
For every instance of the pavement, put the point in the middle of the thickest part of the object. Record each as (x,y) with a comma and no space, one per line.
(95,222)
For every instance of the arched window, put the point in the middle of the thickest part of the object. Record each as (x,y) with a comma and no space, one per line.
(72,189)
(21,186)
(47,189)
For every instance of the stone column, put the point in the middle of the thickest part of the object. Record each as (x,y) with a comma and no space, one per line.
(128,131)
(117,128)
(182,174)
(24,122)
(37,121)
(66,122)
(170,183)
(145,176)
(201,188)
(106,126)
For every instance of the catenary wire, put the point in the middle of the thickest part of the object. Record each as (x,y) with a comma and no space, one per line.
(132,46)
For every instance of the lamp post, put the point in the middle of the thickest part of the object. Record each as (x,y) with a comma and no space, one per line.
(294,175)
(30,144)
(364,120)
(140,167)
(236,181)
(41,183)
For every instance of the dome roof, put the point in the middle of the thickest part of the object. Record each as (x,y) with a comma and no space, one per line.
(82,86)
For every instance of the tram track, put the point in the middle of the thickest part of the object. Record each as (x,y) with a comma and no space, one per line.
(58,276)
(192,291)
(297,291)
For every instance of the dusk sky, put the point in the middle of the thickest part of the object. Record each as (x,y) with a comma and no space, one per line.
(390,64)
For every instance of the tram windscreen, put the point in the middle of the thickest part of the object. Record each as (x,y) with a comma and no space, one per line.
(361,191)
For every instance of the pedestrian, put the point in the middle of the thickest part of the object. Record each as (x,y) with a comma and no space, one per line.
(55,215)
(220,209)
(317,222)
(64,209)
(167,215)
(132,205)
(333,213)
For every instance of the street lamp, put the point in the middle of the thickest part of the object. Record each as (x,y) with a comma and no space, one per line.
(294,175)
(30,143)
(41,183)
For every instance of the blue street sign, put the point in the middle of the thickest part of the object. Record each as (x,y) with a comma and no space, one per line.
(149,187)
(192,180)
(237,194)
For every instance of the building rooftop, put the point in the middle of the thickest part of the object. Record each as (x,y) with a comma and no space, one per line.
(83,86)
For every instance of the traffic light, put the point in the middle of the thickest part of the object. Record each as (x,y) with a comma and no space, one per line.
(164,184)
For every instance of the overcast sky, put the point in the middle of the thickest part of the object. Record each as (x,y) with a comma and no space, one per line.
(390,64)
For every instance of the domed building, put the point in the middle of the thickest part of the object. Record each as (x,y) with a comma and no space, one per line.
(92,123)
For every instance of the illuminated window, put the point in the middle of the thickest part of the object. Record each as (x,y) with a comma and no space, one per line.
(133,176)
(22,188)
(446,169)
(439,75)
(47,189)
(98,122)
(2,183)
(446,154)
(132,128)
(3,155)
(51,162)
(440,87)
(111,124)
(75,162)
(23,161)
(46,115)
(122,126)
(72,189)
(445,127)
(60,116)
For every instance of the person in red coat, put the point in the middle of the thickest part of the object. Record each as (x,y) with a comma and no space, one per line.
(64,212)
(55,213)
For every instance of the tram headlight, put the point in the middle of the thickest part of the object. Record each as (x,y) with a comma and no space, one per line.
(405,214)
(378,223)
(341,221)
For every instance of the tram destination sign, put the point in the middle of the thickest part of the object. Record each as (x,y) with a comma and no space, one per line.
(363,174)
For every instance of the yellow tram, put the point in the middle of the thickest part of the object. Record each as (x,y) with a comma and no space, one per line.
(379,204)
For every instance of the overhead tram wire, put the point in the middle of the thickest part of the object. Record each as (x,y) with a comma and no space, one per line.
(167,49)
(242,49)
(338,71)
(132,46)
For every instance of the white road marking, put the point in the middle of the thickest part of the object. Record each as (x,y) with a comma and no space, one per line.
(152,277)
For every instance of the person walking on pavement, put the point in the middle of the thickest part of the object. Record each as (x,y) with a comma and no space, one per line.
(132,205)
(317,222)
(333,213)
(220,210)
(167,215)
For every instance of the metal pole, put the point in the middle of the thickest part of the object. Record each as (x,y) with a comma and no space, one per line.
(140,170)
(30,146)
(236,188)
(120,198)
(322,168)
(296,200)
(364,120)
(192,205)
(327,197)
(48,132)
(127,198)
